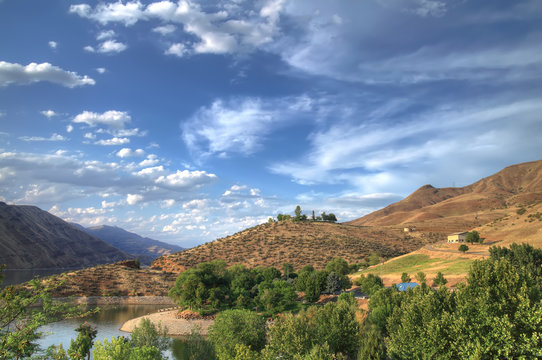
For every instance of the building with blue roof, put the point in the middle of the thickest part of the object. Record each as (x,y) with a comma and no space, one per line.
(406,286)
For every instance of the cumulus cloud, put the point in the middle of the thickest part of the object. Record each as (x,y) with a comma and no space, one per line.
(101,70)
(111,46)
(107,34)
(128,13)
(132,199)
(177,49)
(240,125)
(53,44)
(127,152)
(13,73)
(112,118)
(48,113)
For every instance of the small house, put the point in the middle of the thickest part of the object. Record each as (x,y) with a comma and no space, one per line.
(406,286)
(457,237)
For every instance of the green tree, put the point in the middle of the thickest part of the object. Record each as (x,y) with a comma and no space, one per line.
(405,277)
(150,335)
(370,284)
(121,348)
(473,237)
(234,327)
(333,283)
(372,344)
(297,213)
(381,306)
(338,266)
(287,269)
(463,248)
(439,280)
(420,276)
(311,286)
(21,317)
(292,335)
(80,348)
(276,296)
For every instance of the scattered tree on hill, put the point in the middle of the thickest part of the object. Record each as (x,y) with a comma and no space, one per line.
(329,217)
(370,284)
(463,248)
(405,277)
(420,276)
(287,269)
(297,212)
(473,237)
(440,280)
(338,265)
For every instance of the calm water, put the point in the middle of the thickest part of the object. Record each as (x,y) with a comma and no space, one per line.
(108,322)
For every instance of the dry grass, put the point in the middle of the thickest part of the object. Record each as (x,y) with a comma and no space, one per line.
(299,243)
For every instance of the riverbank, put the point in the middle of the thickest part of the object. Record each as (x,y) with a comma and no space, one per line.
(175,326)
(119,300)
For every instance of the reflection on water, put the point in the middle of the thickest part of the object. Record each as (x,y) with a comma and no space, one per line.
(108,322)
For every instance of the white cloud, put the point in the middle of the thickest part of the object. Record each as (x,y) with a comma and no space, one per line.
(90,136)
(151,160)
(165,29)
(185,179)
(53,44)
(128,13)
(166,204)
(48,113)
(113,141)
(127,152)
(69,128)
(89,48)
(241,125)
(111,46)
(112,118)
(13,73)
(54,137)
(151,171)
(107,34)
(101,70)
(177,49)
(132,199)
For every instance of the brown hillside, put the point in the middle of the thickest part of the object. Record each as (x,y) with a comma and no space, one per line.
(299,243)
(114,280)
(456,209)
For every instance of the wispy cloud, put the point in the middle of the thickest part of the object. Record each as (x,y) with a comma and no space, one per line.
(54,137)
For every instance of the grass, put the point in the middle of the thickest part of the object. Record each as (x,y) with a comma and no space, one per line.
(414,263)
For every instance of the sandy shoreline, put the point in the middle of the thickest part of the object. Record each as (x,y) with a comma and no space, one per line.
(175,326)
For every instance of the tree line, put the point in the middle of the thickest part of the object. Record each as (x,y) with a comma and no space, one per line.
(299,216)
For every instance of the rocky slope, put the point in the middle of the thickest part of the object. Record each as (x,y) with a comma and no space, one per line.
(299,243)
(141,247)
(33,238)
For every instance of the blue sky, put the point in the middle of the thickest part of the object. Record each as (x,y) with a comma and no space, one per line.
(187,121)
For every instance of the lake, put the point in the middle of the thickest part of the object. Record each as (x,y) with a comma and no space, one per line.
(108,322)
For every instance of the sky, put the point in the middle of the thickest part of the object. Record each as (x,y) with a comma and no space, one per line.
(188,121)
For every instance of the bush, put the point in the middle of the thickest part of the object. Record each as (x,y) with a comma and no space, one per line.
(370,284)
(237,327)
(463,248)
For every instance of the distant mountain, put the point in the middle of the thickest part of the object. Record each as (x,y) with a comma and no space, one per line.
(143,248)
(460,209)
(33,238)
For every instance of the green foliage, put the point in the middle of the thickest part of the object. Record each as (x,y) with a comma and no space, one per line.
(420,276)
(338,266)
(463,248)
(195,347)
(370,284)
(381,307)
(372,344)
(271,273)
(374,259)
(329,217)
(80,348)
(20,317)
(147,334)
(310,284)
(234,327)
(276,296)
(473,237)
(55,352)
(523,255)
(405,277)
(297,213)
(333,283)
(287,269)
(122,349)
(440,280)
(292,335)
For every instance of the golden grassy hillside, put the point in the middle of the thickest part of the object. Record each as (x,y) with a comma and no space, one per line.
(299,243)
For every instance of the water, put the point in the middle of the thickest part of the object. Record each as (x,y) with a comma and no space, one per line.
(108,322)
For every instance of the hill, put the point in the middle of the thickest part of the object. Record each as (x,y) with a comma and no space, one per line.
(458,209)
(33,238)
(118,279)
(141,247)
(299,243)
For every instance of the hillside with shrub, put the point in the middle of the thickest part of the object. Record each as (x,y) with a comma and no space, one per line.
(299,243)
